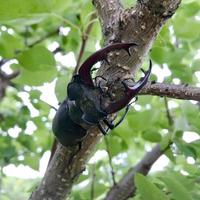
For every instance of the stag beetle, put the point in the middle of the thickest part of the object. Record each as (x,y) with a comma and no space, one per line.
(83,106)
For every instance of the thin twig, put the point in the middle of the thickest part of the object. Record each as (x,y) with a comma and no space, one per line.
(67,21)
(85,37)
(110,160)
(93,182)
(169,117)
(52,33)
(58,49)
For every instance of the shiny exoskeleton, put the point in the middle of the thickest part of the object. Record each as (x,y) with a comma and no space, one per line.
(83,106)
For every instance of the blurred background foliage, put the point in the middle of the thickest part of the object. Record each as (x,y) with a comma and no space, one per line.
(42,40)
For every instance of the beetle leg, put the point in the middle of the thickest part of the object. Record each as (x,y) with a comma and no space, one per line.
(84,70)
(95,79)
(111,125)
(125,113)
(99,84)
(102,129)
(123,116)
(130,92)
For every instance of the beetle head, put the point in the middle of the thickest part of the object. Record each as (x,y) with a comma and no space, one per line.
(74,90)
(84,70)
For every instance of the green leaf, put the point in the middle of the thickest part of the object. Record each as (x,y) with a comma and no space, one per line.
(181,123)
(147,189)
(37,66)
(151,136)
(159,54)
(165,141)
(26,141)
(196,65)
(61,85)
(178,69)
(191,169)
(146,119)
(193,115)
(72,41)
(117,144)
(8,150)
(19,9)
(196,145)
(36,59)
(176,188)
(186,149)
(186,28)
(170,155)
(10,44)
(32,161)
(190,9)
(34,94)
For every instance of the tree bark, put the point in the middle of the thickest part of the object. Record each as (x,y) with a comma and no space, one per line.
(139,24)
(5,81)
(173,91)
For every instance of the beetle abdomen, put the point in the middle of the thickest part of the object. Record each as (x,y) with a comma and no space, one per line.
(66,131)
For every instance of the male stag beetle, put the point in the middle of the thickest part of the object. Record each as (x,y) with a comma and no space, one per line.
(83,106)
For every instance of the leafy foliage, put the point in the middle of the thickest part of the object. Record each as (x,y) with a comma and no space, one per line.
(147,189)
(27,31)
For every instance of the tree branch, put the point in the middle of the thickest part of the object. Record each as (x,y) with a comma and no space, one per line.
(92,193)
(169,117)
(5,81)
(110,160)
(109,14)
(184,92)
(65,167)
(125,188)
(84,41)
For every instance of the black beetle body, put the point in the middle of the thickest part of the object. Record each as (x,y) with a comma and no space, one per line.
(66,131)
(82,108)
(77,113)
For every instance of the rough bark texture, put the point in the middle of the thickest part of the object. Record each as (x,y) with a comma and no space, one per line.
(173,91)
(5,81)
(141,25)
(64,168)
